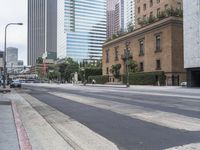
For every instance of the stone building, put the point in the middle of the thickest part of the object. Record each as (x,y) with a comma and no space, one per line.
(155,47)
(115,17)
(192,41)
(156,44)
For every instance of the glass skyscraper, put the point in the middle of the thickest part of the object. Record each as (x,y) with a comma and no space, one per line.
(129,13)
(85,25)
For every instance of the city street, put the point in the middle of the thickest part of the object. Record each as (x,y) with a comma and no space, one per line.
(103,117)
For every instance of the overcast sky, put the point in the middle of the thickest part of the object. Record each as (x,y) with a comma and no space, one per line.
(14,11)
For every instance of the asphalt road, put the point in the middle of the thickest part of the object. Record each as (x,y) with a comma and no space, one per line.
(128,133)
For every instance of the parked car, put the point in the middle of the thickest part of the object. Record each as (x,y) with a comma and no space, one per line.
(184,84)
(15,84)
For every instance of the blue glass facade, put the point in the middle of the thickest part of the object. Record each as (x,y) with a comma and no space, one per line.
(85,25)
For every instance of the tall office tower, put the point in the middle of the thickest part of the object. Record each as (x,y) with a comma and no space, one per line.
(61,33)
(147,8)
(191,11)
(44,29)
(11,57)
(111,17)
(119,16)
(129,11)
(115,17)
(85,25)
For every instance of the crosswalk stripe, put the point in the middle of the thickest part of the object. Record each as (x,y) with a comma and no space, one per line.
(166,119)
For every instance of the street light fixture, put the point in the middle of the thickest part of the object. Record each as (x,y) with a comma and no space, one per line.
(4,56)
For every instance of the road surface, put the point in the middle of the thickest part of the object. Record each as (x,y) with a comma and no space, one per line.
(132,119)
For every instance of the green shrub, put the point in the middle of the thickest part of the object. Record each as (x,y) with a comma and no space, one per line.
(92,72)
(148,78)
(99,79)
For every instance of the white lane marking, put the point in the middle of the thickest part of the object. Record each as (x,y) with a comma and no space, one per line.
(166,119)
(193,146)
(131,91)
(78,135)
(161,94)
(172,103)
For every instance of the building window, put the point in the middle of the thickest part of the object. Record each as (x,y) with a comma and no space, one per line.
(179,5)
(151,14)
(158,43)
(158,11)
(144,6)
(141,43)
(116,54)
(141,66)
(158,64)
(151,3)
(107,70)
(144,17)
(166,6)
(138,20)
(107,56)
(138,10)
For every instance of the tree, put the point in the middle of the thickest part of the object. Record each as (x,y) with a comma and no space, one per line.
(67,68)
(53,72)
(39,60)
(114,36)
(130,27)
(99,63)
(39,67)
(53,75)
(92,68)
(132,65)
(115,70)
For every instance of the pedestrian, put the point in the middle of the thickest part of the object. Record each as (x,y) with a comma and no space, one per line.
(93,81)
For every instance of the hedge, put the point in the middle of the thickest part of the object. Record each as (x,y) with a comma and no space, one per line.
(92,72)
(145,78)
(99,79)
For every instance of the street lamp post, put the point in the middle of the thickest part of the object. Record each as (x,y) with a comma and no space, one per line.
(4,56)
(84,82)
(127,57)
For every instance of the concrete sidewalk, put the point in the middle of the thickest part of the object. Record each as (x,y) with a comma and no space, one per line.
(6,90)
(50,129)
(8,134)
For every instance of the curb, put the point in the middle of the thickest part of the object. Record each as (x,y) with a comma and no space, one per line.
(5,91)
(113,86)
(24,142)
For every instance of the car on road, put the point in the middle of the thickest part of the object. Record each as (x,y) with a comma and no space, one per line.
(15,84)
(184,84)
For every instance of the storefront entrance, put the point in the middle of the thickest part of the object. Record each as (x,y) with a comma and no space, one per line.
(194,77)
